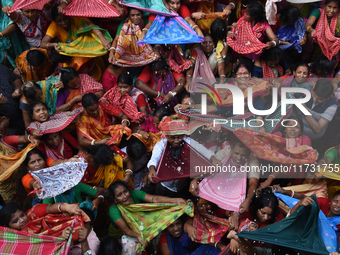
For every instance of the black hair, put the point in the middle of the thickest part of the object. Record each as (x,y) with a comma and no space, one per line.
(298,64)
(89,99)
(31,108)
(7,212)
(91,215)
(125,78)
(272,54)
(129,9)
(35,58)
(290,14)
(136,149)
(55,13)
(110,246)
(212,38)
(265,199)
(112,188)
(161,111)
(159,64)
(298,119)
(337,193)
(29,89)
(56,57)
(246,63)
(238,143)
(324,65)
(218,29)
(45,136)
(323,88)
(101,153)
(183,95)
(334,1)
(30,153)
(67,75)
(256,12)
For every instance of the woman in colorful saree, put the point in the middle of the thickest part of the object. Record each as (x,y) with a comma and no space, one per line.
(121,196)
(75,86)
(326,29)
(94,126)
(124,51)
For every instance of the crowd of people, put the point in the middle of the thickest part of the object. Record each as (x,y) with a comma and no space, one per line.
(102,127)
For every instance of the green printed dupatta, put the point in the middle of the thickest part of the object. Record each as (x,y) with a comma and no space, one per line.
(81,41)
(49,93)
(149,219)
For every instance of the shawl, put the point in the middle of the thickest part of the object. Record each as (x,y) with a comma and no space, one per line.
(124,102)
(165,84)
(149,220)
(92,8)
(57,179)
(246,41)
(128,52)
(216,188)
(56,122)
(81,41)
(89,84)
(330,171)
(17,242)
(177,62)
(135,93)
(100,128)
(150,143)
(210,16)
(49,93)
(30,73)
(171,168)
(271,10)
(270,72)
(53,224)
(170,30)
(329,44)
(319,189)
(327,226)
(202,72)
(293,34)
(274,148)
(299,231)
(28,4)
(152,6)
(210,229)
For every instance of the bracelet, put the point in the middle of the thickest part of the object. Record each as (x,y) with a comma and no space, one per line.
(128,171)
(279,42)
(1,34)
(110,2)
(222,75)
(323,161)
(307,29)
(194,27)
(29,138)
(127,121)
(93,142)
(173,94)
(238,214)
(94,187)
(232,4)
(69,103)
(152,198)
(274,43)
(59,207)
(292,195)
(47,45)
(158,94)
(112,48)
(145,29)
(271,176)
(101,197)
(216,244)
(188,75)
(64,1)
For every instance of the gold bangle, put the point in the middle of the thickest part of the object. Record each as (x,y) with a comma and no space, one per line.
(1,34)
(307,29)
(127,121)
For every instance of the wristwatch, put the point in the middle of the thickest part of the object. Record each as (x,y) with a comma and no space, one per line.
(173,93)
(88,252)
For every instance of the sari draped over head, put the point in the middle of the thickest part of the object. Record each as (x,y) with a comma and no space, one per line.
(258,86)
(152,6)
(100,128)
(106,175)
(49,93)
(329,44)
(124,102)
(128,53)
(176,60)
(216,188)
(246,39)
(210,16)
(203,74)
(81,41)
(31,73)
(269,72)
(299,231)
(165,84)
(274,148)
(149,219)
(93,9)
(210,229)
(30,244)
(56,122)
(56,153)
(292,34)
(135,93)
(52,224)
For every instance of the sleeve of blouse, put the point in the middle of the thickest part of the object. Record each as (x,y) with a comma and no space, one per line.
(184,11)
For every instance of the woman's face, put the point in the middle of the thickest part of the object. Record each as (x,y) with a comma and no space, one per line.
(247,17)
(293,132)
(93,111)
(74,83)
(122,195)
(36,163)
(31,14)
(53,139)
(334,206)
(242,75)
(204,206)
(156,121)
(175,140)
(40,113)
(175,4)
(208,44)
(301,74)
(160,73)
(331,9)
(63,21)
(176,228)
(124,88)
(265,214)
(18,220)
(273,64)
(135,16)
